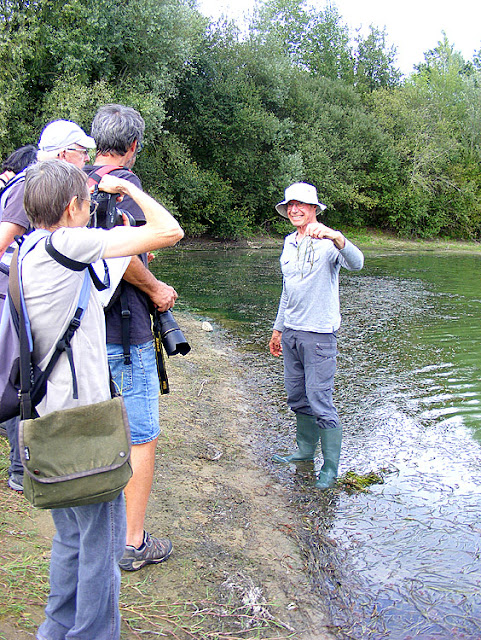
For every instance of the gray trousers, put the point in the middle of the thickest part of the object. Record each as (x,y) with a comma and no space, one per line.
(84,572)
(12,432)
(309,368)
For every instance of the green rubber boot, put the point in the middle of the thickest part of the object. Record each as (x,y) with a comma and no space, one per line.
(307,437)
(331,451)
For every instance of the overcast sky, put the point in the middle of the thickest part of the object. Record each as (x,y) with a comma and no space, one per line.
(413,26)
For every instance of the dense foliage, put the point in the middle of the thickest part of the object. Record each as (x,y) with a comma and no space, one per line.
(233,118)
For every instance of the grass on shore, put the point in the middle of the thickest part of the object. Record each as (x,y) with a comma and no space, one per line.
(365,238)
(372,238)
(24,556)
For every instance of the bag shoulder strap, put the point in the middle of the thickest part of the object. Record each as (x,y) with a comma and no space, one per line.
(75,265)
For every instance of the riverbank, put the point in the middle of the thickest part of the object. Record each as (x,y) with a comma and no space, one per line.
(237,569)
(366,238)
(248,547)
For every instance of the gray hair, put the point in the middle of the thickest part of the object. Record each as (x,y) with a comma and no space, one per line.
(115,127)
(49,187)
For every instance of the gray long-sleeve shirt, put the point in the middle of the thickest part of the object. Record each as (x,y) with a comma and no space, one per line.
(310,293)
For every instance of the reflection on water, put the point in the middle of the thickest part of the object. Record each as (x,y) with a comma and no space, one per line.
(409,392)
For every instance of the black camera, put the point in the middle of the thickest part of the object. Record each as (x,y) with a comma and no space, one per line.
(107,215)
(172,338)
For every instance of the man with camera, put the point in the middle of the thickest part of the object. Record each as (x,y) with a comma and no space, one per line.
(118,132)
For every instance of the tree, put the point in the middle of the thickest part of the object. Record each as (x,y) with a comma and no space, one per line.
(315,40)
(132,51)
(325,49)
(374,62)
(432,121)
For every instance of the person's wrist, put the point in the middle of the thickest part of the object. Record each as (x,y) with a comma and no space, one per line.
(340,241)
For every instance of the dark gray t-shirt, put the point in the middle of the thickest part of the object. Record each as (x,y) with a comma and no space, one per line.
(138,302)
(11,210)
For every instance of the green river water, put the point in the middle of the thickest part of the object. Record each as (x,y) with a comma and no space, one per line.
(408,391)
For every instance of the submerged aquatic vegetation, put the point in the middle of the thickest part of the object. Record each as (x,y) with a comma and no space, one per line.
(352,481)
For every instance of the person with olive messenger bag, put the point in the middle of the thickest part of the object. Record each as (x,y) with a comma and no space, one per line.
(75,456)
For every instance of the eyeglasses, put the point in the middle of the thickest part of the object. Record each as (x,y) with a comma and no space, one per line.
(84,152)
(140,146)
(297,204)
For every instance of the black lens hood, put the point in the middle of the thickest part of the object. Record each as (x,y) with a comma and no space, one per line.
(173,339)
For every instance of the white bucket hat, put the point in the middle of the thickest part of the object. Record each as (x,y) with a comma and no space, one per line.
(302,192)
(60,134)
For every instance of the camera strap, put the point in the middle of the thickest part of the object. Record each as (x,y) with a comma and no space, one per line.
(159,353)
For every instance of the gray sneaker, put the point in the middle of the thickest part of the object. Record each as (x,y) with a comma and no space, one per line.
(15,481)
(152,551)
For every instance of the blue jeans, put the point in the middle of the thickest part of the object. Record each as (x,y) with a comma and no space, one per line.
(139,384)
(12,432)
(84,573)
(309,368)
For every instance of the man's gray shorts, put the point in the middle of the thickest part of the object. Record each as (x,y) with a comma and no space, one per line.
(309,368)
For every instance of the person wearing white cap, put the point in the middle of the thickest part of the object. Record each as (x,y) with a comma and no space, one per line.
(306,324)
(62,140)
(65,140)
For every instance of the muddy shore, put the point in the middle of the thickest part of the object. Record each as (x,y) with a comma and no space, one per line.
(230,520)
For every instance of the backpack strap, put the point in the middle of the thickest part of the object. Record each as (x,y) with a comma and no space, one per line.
(13,282)
(20,319)
(99,171)
(32,394)
(125,324)
(4,179)
(14,295)
(64,344)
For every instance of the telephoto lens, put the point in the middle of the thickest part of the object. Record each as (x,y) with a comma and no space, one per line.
(172,337)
